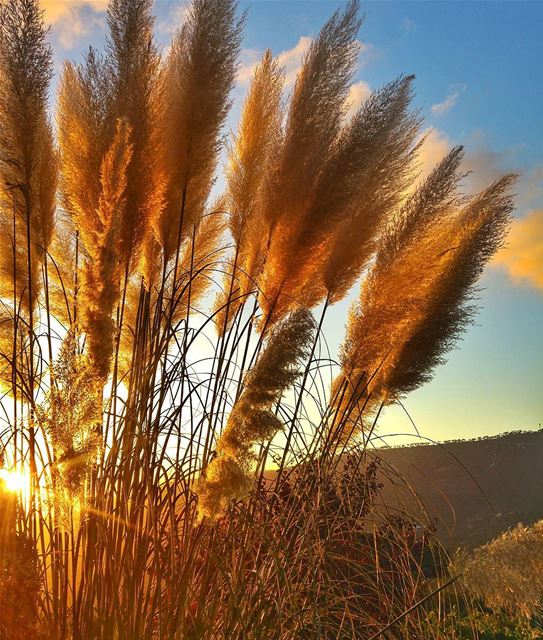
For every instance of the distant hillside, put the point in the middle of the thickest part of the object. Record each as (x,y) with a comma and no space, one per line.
(454,481)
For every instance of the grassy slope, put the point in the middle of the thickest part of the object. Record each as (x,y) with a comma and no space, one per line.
(451,479)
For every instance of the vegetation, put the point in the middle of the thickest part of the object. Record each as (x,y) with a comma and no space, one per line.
(140,411)
(472,488)
(504,578)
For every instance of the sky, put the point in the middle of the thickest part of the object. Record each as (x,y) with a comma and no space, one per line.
(478,83)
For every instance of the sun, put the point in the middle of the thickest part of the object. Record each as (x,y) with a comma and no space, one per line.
(13,481)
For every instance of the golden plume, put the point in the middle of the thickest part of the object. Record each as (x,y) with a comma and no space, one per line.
(107,118)
(475,237)
(361,182)
(84,132)
(313,124)
(198,75)
(252,420)
(251,159)
(68,416)
(28,163)
(92,98)
(402,300)
(506,574)
(366,180)
(132,63)
(100,291)
(28,175)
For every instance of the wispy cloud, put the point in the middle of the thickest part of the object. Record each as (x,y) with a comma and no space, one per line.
(443,107)
(485,164)
(368,53)
(175,17)
(249,60)
(73,19)
(290,60)
(522,258)
(530,192)
(408,26)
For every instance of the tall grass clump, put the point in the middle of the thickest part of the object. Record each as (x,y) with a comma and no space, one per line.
(180,457)
(506,573)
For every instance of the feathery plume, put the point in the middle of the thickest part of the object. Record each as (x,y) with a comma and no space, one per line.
(69,416)
(100,291)
(313,124)
(250,166)
(196,80)
(252,420)
(479,233)
(361,182)
(132,63)
(110,185)
(28,164)
(85,132)
(250,154)
(365,182)
(413,304)
(394,285)
(315,113)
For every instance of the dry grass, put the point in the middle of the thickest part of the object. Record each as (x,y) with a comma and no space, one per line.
(506,574)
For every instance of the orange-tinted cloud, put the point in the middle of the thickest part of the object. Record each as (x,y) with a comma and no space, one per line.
(522,258)
(435,147)
(55,10)
(73,19)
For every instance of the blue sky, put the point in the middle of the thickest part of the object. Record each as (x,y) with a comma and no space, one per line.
(478,83)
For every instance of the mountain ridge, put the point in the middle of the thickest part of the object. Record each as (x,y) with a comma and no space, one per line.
(472,489)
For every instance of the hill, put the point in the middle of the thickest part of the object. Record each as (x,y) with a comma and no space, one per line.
(474,489)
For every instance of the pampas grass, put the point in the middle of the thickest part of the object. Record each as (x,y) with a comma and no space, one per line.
(167,390)
(506,573)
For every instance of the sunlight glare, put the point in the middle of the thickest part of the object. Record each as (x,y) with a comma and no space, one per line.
(13,481)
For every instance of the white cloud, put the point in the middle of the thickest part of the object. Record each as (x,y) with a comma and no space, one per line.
(175,18)
(443,107)
(358,94)
(290,60)
(522,257)
(249,59)
(530,188)
(368,53)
